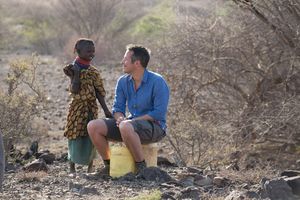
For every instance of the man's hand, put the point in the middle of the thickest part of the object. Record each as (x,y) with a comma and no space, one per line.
(119,120)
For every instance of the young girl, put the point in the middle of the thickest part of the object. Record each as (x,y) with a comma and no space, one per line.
(86,85)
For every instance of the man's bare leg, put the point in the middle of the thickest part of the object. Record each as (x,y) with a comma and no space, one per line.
(132,140)
(97,130)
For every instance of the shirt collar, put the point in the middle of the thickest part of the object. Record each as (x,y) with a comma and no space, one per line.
(145,76)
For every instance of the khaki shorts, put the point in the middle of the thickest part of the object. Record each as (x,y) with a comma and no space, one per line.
(148,131)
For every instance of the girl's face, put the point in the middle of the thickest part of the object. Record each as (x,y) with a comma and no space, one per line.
(87,52)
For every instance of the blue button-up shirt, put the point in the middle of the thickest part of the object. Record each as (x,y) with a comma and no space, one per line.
(151,98)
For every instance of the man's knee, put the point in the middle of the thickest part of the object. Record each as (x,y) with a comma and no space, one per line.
(125,128)
(96,126)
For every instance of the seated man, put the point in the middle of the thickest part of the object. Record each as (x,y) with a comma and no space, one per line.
(146,95)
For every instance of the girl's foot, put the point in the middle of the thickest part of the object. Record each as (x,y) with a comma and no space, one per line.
(90,167)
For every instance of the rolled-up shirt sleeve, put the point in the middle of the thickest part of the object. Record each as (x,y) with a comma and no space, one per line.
(160,100)
(120,98)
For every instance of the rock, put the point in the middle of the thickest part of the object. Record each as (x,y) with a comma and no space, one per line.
(37,165)
(290,173)
(127,177)
(294,183)
(161,161)
(38,154)
(75,187)
(220,181)
(278,189)
(189,193)
(48,157)
(252,195)
(2,161)
(155,174)
(168,196)
(241,195)
(201,180)
(187,181)
(89,191)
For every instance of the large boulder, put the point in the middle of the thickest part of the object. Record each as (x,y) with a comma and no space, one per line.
(278,189)
(294,183)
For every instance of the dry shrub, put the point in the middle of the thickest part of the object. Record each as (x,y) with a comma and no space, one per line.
(22,103)
(233,83)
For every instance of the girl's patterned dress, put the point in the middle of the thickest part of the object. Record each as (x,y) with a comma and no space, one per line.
(82,109)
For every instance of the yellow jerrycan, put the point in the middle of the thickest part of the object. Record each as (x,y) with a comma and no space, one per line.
(122,162)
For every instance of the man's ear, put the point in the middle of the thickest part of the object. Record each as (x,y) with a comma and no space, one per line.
(137,63)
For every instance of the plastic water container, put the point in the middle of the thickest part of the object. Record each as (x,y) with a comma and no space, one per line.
(122,162)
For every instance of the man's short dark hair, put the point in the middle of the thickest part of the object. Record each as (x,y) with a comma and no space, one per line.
(139,53)
(81,42)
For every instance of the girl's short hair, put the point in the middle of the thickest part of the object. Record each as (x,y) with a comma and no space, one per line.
(81,42)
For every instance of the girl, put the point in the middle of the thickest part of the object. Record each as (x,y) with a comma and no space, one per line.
(86,85)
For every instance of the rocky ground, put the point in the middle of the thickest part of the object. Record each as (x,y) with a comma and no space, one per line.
(47,176)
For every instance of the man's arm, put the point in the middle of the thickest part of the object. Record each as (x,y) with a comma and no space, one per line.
(119,106)
(161,100)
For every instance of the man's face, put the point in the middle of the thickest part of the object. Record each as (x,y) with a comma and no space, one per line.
(87,52)
(128,66)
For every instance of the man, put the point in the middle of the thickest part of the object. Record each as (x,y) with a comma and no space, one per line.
(146,95)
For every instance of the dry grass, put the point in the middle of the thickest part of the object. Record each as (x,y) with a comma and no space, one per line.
(154,195)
